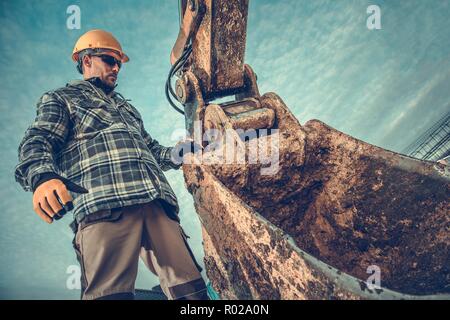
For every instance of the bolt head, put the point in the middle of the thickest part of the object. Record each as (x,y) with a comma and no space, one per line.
(182,90)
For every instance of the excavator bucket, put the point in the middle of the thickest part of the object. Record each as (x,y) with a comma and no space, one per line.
(301,212)
(336,208)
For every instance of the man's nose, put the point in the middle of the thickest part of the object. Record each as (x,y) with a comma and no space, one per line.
(116,68)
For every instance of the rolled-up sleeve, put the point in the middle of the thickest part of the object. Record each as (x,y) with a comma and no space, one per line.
(42,140)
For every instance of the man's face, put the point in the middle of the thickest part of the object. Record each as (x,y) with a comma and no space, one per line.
(104,66)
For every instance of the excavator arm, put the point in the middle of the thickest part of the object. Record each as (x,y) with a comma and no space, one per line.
(334,206)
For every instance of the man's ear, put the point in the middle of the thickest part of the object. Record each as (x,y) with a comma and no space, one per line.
(87,61)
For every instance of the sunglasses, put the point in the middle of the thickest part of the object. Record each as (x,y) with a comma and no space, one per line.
(109,60)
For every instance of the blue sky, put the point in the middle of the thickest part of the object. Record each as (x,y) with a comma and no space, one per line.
(382,86)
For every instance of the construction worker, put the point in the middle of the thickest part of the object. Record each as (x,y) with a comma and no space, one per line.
(88,150)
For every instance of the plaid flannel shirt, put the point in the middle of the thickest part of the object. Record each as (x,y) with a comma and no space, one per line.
(97,141)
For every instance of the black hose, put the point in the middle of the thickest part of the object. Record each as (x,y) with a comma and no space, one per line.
(173,70)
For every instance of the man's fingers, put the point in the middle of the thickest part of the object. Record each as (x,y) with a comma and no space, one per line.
(41,213)
(66,200)
(63,195)
(62,211)
(46,207)
(37,208)
(52,200)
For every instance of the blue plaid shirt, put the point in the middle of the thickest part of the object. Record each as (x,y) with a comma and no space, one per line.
(97,141)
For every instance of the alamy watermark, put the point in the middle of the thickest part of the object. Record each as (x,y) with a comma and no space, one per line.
(374,20)
(373,282)
(73,281)
(231,146)
(74,20)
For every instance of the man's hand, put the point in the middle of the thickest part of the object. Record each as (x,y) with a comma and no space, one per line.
(51,199)
(183,148)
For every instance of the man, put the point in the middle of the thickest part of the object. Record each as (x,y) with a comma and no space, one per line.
(88,147)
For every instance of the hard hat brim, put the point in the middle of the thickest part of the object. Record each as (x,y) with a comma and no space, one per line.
(122,57)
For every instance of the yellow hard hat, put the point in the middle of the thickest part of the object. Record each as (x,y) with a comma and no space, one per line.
(98,39)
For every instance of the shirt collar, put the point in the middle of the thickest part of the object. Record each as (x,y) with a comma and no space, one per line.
(91,84)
